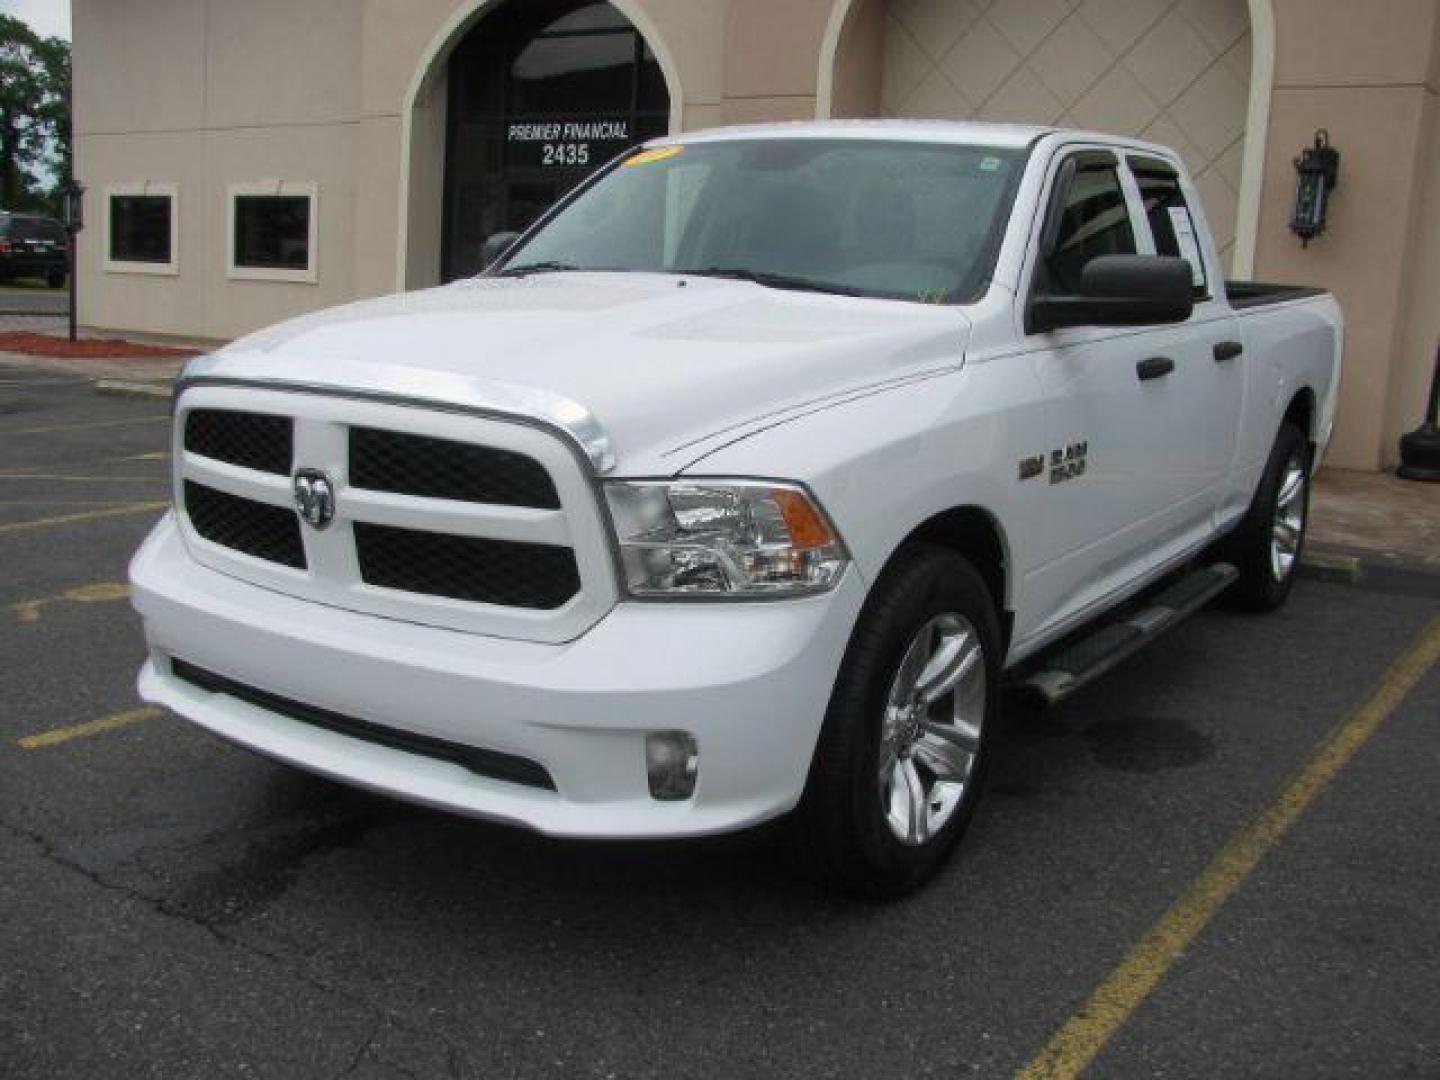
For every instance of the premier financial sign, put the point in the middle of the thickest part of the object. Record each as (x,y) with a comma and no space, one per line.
(565,142)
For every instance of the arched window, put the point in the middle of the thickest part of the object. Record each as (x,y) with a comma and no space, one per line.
(541,93)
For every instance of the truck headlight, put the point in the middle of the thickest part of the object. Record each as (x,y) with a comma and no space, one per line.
(728,538)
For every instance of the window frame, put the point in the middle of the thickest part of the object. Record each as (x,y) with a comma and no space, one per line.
(1040,229)
(310,273)
(142,189)
(1061,181)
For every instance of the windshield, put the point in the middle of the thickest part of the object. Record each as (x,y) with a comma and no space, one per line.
(886,219)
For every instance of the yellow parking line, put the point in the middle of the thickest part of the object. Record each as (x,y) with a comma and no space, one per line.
(154,455)
(66,502)
(28,611)
(1082,1037)
(88,515)
(90,424)
(92,727)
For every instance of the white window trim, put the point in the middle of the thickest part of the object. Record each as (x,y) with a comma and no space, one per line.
(310,275)
(126,266)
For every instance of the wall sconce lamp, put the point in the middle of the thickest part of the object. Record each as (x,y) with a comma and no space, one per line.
(1319,172)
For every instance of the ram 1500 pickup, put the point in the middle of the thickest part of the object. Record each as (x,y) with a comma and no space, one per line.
(740,487)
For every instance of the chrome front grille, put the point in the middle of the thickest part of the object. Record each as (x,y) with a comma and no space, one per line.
(469,522)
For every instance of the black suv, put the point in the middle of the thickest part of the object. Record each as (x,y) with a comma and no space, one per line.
(33,246)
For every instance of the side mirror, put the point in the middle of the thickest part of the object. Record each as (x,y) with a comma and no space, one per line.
(495,246)
(1120,290)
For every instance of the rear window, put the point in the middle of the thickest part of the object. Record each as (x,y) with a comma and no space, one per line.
(32,228)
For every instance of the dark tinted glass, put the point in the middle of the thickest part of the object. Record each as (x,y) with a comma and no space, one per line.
(593,16)
(574,74)
(140,228)
(1164,201)
(1094,221)
(272,231)
(33,228)
(542,93)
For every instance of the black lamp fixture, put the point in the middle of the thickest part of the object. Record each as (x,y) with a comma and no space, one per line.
(1420,450)
(1318,167)
(73,206)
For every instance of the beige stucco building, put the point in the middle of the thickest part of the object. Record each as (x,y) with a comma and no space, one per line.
(247,160)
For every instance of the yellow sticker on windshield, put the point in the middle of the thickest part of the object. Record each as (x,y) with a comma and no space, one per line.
(660,153)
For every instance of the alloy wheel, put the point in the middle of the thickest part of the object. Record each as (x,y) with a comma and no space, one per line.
(930,740)
(1289,523)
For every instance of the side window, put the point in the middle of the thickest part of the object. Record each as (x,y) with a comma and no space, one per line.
(1088,218)
(1168,216)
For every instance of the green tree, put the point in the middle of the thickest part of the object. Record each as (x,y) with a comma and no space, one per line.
(34,117)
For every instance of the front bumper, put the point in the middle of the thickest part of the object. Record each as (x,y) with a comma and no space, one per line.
(750,681)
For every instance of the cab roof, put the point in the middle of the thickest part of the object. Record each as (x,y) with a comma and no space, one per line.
(962,133)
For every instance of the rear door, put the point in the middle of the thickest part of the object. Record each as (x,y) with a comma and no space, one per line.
(1207,350)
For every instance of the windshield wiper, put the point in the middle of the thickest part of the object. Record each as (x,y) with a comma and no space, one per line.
(549,266)
(775,281)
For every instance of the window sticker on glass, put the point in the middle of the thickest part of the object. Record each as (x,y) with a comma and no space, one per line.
(1189,246)
(659,153)
(990,164)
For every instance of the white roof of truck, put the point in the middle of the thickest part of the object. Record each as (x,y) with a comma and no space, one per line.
(965,133)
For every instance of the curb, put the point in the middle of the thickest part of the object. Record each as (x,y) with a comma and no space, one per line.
(133,388)
(1335,566)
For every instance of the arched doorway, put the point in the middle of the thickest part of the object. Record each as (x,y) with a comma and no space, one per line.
(539,94)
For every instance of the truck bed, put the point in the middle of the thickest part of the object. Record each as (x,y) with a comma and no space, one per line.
(1252,294)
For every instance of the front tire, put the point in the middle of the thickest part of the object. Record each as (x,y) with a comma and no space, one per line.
(1267,546)
(901,757)
(55,278)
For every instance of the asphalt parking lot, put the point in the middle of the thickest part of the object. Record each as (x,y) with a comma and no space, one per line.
(31,296)
(1222,859)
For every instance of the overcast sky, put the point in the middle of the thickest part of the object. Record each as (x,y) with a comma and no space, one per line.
(48,18)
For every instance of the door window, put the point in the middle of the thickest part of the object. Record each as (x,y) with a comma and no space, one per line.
(1168,215)
(1088,218)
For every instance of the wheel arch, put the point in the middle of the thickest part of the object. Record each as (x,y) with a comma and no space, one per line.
(977,535)
(1303,413)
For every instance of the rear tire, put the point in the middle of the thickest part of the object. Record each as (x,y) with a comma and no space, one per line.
(1267,545)
(902,753)
(55,278)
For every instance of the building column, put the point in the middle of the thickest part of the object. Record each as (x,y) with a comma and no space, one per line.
(772,59)
(1367,74)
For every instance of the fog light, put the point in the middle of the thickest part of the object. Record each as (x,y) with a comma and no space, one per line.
(672,762)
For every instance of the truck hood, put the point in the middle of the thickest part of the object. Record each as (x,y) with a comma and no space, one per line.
(670,367)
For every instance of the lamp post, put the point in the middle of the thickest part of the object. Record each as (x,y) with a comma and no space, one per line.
(74,219)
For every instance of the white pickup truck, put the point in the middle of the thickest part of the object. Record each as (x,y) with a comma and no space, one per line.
(740,486)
